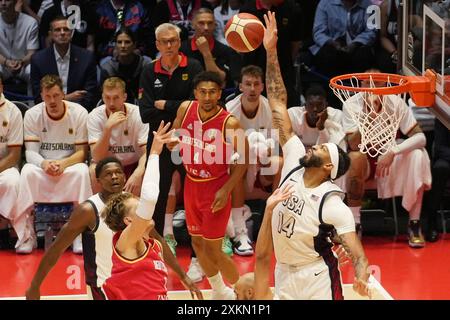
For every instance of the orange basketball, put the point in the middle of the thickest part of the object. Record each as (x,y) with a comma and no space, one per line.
(244,32)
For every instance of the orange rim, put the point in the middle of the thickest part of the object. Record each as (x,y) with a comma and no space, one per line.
(399,84)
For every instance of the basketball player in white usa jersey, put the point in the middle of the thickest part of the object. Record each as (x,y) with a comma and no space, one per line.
(11,140)
(97,237)
(55,138)
(116,128)
(299,228)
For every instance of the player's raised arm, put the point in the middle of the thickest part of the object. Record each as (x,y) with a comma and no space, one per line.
(276,91)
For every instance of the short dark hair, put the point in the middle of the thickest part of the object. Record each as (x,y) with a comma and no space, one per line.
(253,71)
(208,76)
(344,162)
(59,17)
(103,162)
(315,90)
(128,32)
(202,10)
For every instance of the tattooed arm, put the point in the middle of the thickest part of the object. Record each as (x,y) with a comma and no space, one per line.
(276,91)
(355,251)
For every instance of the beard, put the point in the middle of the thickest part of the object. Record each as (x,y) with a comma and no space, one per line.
(312,161)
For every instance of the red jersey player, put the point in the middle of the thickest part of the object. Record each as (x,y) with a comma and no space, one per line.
(138,272)
(209,136)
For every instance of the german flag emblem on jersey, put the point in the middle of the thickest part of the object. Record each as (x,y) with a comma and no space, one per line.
(5,123)
(70,131)
(184,76)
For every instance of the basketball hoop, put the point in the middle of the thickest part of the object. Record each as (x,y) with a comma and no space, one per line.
(374,103)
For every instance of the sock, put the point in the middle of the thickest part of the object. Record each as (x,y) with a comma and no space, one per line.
(238,220)
(216,282)
(356,214)
(168,224)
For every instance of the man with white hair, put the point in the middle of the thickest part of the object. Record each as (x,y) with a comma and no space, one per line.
(408,160)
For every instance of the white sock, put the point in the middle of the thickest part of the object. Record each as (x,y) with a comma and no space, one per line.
(168,224)
(238,219)
(356,214)
(216,282)
(230,228)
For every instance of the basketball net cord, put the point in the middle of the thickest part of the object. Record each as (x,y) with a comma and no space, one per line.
(379,118)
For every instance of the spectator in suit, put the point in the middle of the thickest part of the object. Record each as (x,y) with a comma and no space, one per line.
(75,66)
(83,32)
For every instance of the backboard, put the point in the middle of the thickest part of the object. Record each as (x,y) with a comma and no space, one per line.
(425,39)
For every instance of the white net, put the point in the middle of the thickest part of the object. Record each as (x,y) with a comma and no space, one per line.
(377,116)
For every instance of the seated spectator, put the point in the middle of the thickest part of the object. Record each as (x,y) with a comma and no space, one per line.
(116,129)
(127,65)
(343,42)
(83,32)
(56,147)
(402,171)
(440,176)
(255,116)
(289,26)
(11,140)
(179,13)
(115,14)
(317,123)
(75,66)
(18,42)
(222,13)
(213,55)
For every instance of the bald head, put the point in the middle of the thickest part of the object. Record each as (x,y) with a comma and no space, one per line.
(244,287)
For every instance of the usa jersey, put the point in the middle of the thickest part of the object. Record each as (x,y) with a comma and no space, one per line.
(302,225)
(57,138)
(144,278)
(205,153)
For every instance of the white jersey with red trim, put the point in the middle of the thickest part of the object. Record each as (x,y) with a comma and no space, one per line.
(300,236)
(262,118)
(11,126)
(356,103)
(57,138)
(127,138)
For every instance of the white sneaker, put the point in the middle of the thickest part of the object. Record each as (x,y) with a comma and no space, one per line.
(27,246)
(225,294)
(77,245)
(242,244)
(195,271)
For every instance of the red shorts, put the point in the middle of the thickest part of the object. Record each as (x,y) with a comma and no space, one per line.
(198,198)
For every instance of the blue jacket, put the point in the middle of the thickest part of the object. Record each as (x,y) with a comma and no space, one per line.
(331,22)
(82,73)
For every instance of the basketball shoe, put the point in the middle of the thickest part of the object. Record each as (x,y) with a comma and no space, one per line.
(416,239)
(195,271)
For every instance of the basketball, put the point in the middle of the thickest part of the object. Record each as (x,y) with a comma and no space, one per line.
(244,32)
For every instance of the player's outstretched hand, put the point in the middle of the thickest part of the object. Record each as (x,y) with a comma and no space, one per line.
(279,195)
(270,31)
(190,285)
(161,137)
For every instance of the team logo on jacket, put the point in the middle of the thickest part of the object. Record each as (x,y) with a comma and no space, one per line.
(184,76)
(157,83)
(140,93)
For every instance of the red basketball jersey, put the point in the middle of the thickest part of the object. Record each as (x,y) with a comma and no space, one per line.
(143,278)
(205,153)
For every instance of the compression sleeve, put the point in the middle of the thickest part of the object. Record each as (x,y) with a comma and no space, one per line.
(150,189)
